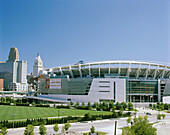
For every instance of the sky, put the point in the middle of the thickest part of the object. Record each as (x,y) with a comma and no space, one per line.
(67,31)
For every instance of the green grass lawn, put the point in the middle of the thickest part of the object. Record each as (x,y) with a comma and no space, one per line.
(22,112)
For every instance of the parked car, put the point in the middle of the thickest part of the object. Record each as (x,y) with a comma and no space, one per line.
(148,113)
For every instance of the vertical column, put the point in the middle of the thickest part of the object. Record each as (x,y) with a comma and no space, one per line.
(159,91)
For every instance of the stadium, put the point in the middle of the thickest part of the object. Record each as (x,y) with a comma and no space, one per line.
(118,81)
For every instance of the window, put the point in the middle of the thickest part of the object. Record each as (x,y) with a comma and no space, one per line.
(104,86)
(104,81)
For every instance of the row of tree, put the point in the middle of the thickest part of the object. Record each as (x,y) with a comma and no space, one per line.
(105,106)
(29,129)
(159,106)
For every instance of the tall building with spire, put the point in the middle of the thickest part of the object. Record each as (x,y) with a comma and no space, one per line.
(38,66)
(14,72)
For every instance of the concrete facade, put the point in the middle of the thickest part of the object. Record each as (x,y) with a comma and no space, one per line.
(1,84)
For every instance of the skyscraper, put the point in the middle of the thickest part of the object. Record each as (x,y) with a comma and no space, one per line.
(14,72)
(38,66)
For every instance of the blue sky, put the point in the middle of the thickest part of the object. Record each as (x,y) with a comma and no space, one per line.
(66,31)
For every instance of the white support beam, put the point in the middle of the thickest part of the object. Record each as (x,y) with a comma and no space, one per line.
(71,72)
(169,75)
(163,73)
(128,70)
(61,71)
(99,70)
(89,71)
(155,72)
(80,70)
(147,71)
(119,69)
(109,69)
(138,71)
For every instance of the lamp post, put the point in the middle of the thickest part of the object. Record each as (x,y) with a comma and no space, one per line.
(58,114)
(13,115)
(63,117)
(151,98)
(135,105)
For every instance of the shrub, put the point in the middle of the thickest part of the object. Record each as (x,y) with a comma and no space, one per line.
(42,130)
(92,129)
(4,131)
(67,126)
(56,128)
(29,130)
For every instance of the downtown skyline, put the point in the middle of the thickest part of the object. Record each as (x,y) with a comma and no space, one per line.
(64,32)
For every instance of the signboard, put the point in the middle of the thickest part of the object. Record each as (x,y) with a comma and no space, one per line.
(55,83)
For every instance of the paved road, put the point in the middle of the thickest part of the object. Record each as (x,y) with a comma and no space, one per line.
(103,125)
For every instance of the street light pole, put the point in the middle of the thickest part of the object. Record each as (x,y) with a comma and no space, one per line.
(135,105)
(63,117)
(115,127)
(13,115)
(58,114)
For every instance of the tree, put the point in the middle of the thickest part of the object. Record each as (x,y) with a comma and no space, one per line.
(111,104)
(163,116)
(87,116)
(82,105)
(118,106)
(166,106)
(76,105)
(67,126)
(120,113)
(129,120)
(29,130)
(56,128)
(159,116)
(8,99)
(124,105)
(150,105)
(89,104)
(18,100)
(68,105)
(3,131)
(130,106)
(2,99)
(63,129)
(42,129)
(104,103)
(113,108)
(92,129)
(140,127)
(33,103)
(94,105)
(71,103)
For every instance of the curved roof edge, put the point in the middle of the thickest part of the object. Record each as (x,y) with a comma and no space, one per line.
(160,64)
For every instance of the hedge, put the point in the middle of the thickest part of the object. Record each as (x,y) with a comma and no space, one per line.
(46,121)
(4,103)
(22,104)
(40,105)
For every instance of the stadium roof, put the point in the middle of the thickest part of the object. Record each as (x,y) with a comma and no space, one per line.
(133,69)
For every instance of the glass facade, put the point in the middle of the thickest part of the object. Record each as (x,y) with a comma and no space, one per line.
(79,86)
(142,91)
(143,87)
